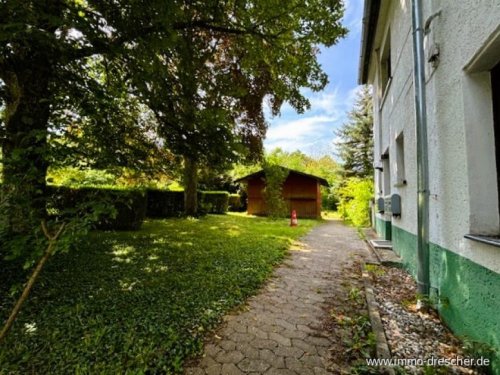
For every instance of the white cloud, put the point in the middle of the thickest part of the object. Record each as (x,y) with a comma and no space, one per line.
(327,103)
(300,134)
(313,132)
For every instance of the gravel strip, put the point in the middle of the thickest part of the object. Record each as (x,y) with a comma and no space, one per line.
(412,333)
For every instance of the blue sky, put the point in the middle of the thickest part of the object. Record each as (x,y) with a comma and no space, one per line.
(313,131)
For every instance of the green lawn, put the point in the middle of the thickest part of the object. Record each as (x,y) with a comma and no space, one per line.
(128,302)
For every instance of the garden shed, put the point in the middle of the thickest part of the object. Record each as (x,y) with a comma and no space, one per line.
(301,192)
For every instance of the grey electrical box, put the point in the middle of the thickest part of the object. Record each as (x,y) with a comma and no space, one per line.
(380,205)
(396,205)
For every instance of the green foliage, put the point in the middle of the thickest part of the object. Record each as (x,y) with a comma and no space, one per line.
(354,196)
(164,203)
(235,204)
(127,208)
(214,202)
(374,270)
(476,349)
(141,302)
(273,192)
(356,137)
(77,177)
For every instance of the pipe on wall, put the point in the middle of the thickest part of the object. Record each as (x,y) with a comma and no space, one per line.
(422,152)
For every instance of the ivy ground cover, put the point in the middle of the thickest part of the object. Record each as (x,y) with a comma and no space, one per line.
(141,302)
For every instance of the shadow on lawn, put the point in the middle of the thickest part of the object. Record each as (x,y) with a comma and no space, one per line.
(141,300)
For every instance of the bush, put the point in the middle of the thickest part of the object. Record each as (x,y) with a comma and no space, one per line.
(354,196)
(213,202)
(235,204)
(164,203)
(273,192)
(118,209)
(130,206)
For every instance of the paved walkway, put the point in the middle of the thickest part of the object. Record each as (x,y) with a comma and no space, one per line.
(281,330)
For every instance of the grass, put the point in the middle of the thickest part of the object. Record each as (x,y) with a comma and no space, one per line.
(141,302)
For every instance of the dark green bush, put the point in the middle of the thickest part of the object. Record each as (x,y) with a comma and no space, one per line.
(163,203)
(235,204)
(130,206)
(213,202)
(121,209)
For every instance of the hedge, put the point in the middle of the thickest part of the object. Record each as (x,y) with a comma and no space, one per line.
(164,203)
(235,204)
(124,209)
(213,202)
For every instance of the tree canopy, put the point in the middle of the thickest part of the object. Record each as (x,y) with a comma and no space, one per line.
(355,142)
(203,67)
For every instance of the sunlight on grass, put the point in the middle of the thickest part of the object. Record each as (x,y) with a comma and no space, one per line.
(142,301)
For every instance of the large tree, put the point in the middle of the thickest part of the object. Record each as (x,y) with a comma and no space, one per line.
(46,50)
(208,90)
(355,144)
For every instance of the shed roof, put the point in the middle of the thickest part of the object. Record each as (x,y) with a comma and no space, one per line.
(261,173)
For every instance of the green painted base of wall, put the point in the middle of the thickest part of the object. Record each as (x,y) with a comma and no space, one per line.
(383,228)
(469,294)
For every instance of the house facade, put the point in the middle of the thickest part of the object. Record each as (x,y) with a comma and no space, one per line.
(301,192)
(462,85)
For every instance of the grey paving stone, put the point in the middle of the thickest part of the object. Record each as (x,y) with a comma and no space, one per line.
(207,361)
(253,365)
(301,344)
(288,351)
(240,328)
(282,340)
(293,334)
(242,337)
(257,332)
(271,358)
(227,344)
(264,344)
(233,356)
(297,366)
(214,370)
(280,371)
(311,361)
(287,325)
(212,350)
(230,369)
(248,350)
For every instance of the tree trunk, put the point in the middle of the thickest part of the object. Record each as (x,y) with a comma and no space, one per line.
(190,186)
(25,144)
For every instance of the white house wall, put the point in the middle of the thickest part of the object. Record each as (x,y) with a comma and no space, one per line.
(460,30)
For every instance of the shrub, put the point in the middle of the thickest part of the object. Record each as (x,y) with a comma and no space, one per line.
(130,206)
(235,204)
(119,209)
(273,192)
(354,196)
(164,203)
(213,202)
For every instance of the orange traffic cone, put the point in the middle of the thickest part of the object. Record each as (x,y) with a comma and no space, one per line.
(293,219)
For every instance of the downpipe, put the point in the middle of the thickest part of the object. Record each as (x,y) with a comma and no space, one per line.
(422,151)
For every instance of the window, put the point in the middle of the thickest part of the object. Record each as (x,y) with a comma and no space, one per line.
(400,161)
(481,106)
(385,64)
(387,173)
